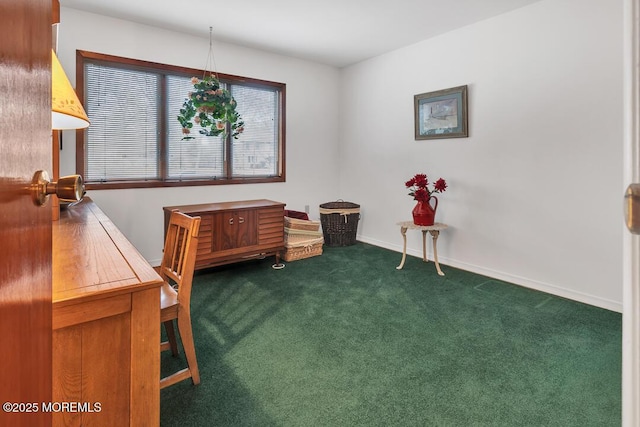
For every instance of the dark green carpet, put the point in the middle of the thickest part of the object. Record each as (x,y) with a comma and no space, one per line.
(345,339)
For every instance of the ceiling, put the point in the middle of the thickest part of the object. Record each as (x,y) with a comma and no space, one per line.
(332,32)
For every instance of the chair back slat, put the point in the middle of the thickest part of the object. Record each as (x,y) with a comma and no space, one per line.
(178,260)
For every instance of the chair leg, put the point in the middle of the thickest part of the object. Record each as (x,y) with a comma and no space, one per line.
(171,336)
(184,327)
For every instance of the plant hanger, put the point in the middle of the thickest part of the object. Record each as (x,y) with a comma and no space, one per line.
(210,105)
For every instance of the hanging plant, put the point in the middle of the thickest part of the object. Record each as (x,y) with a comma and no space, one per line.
(212,107)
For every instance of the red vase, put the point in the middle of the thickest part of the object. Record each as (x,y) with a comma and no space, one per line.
(423,213)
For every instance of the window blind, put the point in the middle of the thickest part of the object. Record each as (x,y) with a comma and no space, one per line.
(201,157)
(255,152)
(122,141)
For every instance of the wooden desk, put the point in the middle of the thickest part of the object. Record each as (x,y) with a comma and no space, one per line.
(434,230)
(106,323)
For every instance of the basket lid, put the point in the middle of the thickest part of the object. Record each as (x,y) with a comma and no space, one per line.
(339,205)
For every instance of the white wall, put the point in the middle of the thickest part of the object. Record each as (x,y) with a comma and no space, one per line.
(534,194)
(312,134)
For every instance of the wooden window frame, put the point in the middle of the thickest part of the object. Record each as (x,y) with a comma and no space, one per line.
(128,63)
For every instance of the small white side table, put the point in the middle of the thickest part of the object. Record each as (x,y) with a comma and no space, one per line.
(434,230)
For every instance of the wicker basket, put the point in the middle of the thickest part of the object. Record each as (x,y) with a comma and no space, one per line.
(339,222)
(304,249)
(294,236)
(301,224)
(296,214)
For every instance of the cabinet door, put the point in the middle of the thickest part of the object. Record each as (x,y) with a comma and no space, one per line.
(234,229)
(247,228)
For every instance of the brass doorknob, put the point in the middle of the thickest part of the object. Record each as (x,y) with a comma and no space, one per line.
(68,188)
(632,208)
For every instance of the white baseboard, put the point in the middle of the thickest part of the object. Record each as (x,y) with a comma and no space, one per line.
(507,277)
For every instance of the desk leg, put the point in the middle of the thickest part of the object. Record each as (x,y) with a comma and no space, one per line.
(434,236)
(424,245)
(403,231)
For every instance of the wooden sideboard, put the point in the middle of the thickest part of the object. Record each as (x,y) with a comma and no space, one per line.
(236,231)
(106,323)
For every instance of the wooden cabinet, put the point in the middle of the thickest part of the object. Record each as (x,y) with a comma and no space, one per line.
(236,231)
(106,324)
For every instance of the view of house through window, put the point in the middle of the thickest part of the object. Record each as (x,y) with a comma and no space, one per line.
(135,139)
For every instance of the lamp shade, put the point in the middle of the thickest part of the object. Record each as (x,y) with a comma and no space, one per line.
(66,110)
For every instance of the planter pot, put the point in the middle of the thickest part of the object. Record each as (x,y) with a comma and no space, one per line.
(424,213)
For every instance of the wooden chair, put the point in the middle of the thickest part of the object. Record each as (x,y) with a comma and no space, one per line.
(178,261)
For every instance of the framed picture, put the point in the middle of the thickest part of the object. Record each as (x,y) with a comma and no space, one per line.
(441,114)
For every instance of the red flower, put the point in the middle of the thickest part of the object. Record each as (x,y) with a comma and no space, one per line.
(421,180)
(421,195)
(440,185)
(418,186)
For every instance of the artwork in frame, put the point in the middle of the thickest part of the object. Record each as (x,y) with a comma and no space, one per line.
(441,114)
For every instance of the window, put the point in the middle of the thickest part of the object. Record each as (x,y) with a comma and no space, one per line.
(135,139)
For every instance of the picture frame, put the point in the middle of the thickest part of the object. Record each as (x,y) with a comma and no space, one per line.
(441,114)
